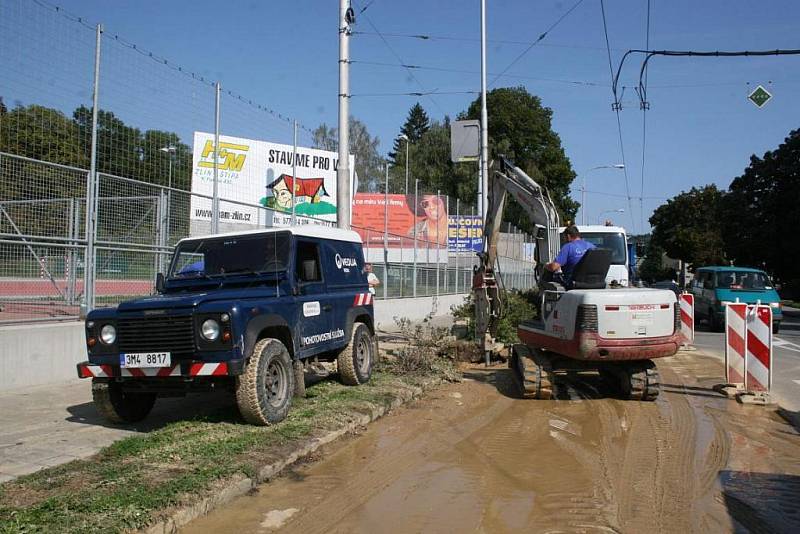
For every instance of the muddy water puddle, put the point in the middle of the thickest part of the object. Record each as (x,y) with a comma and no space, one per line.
(471,458)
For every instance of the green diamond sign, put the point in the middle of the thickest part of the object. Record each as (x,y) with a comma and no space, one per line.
(759,96)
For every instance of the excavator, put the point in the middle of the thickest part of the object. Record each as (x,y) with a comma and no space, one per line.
(594,326)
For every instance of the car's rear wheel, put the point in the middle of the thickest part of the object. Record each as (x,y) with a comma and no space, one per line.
(355,362)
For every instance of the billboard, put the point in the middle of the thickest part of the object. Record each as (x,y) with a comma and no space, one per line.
(253,173)
(402,219)
(465,233)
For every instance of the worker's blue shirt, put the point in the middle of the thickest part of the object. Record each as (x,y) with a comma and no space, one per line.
(571,253)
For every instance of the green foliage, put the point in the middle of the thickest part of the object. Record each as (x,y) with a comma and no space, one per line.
(521,129)
(42,133)
(689,226)
(762,212)
(369,164)
(430,163)
(517,307)
(414,128)
(652,268)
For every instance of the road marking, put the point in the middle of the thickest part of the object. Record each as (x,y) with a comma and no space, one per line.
(785,345)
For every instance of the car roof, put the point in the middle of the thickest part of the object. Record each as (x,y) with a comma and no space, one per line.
(316,231)
(728,268)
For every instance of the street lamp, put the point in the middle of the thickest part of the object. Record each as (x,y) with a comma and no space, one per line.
(619,210)
(617,166)
(169,149)
(405,138)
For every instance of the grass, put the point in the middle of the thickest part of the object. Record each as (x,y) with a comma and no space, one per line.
(127,484)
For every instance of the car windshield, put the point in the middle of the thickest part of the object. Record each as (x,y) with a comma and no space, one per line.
(613,241)
(221,256)
(747,280)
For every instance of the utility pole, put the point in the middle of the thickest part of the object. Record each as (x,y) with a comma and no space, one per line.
(346,18)
(484,164)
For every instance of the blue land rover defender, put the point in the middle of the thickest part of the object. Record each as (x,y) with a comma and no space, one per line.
(245,311)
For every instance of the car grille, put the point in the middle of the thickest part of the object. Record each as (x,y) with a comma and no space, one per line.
(156,334)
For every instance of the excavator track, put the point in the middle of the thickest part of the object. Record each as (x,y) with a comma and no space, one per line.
(532,373)
(644,381)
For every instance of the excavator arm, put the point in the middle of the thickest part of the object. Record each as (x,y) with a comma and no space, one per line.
(505,178)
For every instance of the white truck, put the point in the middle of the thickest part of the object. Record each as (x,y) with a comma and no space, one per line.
(614,239)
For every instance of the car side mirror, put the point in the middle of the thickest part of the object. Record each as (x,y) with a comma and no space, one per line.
(160,282)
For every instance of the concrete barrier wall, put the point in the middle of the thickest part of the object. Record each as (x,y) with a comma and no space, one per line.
(42,353)
(46,353)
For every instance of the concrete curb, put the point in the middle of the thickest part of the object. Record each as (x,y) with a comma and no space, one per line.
(240,484)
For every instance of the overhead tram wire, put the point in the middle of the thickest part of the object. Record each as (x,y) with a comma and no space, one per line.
(401,62)
(537,41)
(463,71)
(619,122)
(418,93)
(644,107)
(686,53)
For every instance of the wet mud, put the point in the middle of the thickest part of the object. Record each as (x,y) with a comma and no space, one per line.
(470,457)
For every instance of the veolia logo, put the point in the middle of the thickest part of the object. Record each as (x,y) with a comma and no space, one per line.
(344,262)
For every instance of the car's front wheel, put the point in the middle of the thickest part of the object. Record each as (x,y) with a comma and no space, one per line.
(264,392)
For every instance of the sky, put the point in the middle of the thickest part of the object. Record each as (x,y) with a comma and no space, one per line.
(700,127)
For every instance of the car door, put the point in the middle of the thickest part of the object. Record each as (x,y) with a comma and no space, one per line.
(313,302)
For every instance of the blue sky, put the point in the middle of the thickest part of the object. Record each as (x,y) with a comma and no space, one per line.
(700,127)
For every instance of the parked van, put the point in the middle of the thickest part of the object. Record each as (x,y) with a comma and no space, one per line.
(713,287)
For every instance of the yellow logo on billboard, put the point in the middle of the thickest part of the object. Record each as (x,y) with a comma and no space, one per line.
(231,156)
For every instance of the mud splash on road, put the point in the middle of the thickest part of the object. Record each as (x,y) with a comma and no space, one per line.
(472,458)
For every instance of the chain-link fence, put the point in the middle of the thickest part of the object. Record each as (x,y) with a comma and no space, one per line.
(96,138)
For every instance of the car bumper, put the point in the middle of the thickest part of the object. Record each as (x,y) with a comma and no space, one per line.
(185,370)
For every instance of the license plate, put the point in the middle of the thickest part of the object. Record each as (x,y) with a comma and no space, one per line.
(145,359)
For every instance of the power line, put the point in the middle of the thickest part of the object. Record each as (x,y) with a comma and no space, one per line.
(429,37)
(463,71)
(619,122)
(419,93)
(537,41)
(400,60)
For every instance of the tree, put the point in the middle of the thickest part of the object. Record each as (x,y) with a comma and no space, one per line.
(363,146)
(652,268)
(41,133)
(430,163)
(520,128)
(689,227)
(3,108)
(416,125)
(762,212)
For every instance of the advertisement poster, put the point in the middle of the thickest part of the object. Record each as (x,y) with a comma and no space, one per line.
(254,175)
(465,233)
(427,217)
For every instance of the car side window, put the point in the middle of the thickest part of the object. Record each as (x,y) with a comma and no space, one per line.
(307,268)
(708,280)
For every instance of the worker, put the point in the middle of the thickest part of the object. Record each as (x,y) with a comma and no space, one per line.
(372,278)
(570,254)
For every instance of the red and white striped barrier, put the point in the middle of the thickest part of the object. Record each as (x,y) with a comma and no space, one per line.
(758,363)
(175,370)
(687,316)
(735,340)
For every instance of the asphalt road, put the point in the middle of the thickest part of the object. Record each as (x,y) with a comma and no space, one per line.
(785,357)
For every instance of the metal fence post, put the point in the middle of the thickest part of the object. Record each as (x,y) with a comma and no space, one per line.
(386,233)
(294,172)
(458,238)
(416,203)
(215,199)
(438,241)
(92,188)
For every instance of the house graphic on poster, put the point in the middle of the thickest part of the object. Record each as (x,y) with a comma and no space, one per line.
(308,196)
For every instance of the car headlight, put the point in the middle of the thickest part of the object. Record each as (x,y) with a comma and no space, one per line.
(108,334)
(210,329)
(775,304)
(725,302)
